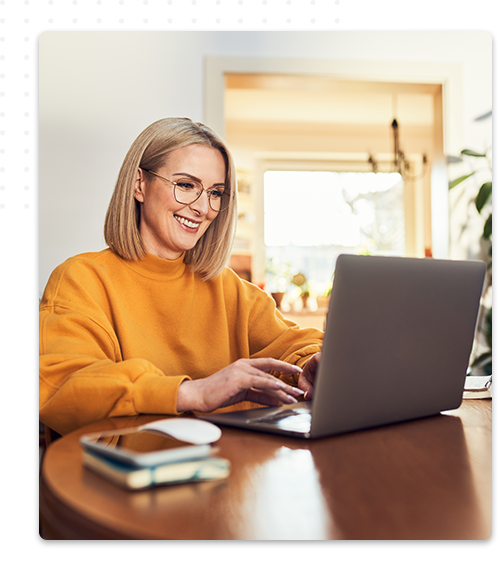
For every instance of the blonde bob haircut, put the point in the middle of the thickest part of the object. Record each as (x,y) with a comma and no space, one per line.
(211,253)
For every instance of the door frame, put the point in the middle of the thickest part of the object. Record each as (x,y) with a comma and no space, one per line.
(448,107)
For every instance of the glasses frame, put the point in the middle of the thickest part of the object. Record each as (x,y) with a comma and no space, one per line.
(207,191)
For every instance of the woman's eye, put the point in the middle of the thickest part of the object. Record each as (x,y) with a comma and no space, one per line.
(186,185)
(217,193)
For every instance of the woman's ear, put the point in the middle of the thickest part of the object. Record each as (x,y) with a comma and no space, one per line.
(139,186)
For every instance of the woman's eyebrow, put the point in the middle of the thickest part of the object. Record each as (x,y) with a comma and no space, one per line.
(196,178)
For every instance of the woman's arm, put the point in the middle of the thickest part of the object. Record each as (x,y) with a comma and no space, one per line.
(82,377)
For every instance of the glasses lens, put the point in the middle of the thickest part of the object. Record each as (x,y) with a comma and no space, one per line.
(217,199)
(188,190)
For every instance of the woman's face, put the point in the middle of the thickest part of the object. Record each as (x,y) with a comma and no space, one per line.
(167,227)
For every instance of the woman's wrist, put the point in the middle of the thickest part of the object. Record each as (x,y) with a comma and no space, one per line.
(185,399)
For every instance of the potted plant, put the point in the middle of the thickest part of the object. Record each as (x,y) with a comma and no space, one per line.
(324,299)
(277,278)
(300,281)
(483,203)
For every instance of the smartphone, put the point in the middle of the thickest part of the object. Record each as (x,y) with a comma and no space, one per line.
(143,448)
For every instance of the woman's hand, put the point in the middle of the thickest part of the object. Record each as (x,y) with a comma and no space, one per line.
(308,376)
(243,380)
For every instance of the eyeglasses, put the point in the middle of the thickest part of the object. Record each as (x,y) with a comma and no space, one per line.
(187,190)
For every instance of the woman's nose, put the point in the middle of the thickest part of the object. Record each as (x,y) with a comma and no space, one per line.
(202,204)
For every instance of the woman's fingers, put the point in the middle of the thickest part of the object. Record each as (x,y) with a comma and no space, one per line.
(268,364)
(272,386)
(308,376)
(264,365)
(263,398)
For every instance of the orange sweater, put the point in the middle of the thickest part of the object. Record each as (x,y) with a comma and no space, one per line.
(118,337)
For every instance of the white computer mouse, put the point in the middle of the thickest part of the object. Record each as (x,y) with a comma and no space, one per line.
(195,431)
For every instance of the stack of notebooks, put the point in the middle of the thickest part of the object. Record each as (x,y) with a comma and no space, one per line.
(478,387)
(171,451)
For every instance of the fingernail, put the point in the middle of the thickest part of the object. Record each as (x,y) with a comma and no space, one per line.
(291,399)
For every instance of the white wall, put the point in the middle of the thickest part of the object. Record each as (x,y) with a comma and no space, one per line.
(99,90)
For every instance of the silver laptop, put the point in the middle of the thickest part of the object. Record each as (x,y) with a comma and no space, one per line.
(399,334)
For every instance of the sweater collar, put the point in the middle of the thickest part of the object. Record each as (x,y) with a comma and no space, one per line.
(156,268)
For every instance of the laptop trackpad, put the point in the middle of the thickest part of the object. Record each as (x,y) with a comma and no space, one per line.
(297,420)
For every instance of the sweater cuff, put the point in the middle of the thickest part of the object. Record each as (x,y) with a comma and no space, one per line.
(156,395)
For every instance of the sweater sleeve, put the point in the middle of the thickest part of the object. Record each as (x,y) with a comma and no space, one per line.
(82,377)
(272,335)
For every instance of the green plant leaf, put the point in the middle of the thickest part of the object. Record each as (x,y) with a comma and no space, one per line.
(488,227)
(480,360)
(467,152)
(483,195)
(457,181)
(489,327)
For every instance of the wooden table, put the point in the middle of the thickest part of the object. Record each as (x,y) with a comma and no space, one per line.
(426,479)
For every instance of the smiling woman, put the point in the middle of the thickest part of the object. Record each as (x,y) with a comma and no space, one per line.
(157,323)
(155,148)
(172,221)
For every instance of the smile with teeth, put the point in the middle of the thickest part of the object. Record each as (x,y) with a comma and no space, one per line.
(187,223)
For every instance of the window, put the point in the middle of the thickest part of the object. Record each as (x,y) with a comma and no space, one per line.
(310,217)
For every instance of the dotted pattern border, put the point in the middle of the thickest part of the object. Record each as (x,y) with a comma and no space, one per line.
(186,14)
(22,21)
